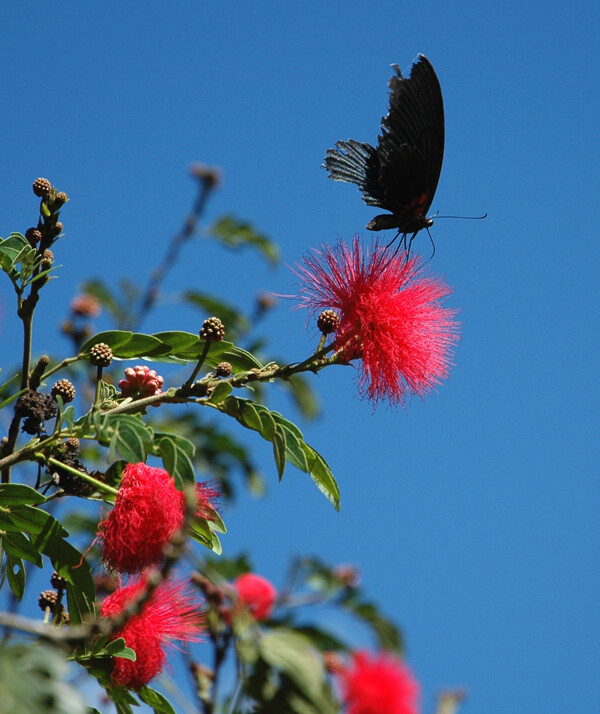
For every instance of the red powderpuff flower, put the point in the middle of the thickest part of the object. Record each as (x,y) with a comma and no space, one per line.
(171,613)
(390,317)
(147,512)
(378,685)
(257,593)
(140,381)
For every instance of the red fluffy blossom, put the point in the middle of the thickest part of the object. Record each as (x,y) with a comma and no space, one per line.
(171,613)
(140,381)
(391,317)
(378,685)
(148,510)
(257,593)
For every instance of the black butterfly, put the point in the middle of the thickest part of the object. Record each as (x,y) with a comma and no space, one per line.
(402,173)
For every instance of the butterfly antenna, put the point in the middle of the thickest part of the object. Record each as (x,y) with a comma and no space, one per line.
(465,218)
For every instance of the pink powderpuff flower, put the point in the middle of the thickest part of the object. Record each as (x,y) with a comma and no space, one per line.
(140,381)
(378,685)
(148,510)
(171,613)
(257,593)
(391,317)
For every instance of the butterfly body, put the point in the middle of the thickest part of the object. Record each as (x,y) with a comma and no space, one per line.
(401,174)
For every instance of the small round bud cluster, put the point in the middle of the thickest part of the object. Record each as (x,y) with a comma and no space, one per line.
(60,198)
(101,355)
(47,259)
(58,226)
(85,305)
(35,408)
(47,601)
(328,321)
(72,445)
(140,381)
(57,581)
(65,389)
(41,187)
(48,598)
(33,236)
(209,175)
(212,330)
(224,369)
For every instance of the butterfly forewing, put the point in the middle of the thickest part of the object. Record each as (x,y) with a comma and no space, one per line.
(402,173)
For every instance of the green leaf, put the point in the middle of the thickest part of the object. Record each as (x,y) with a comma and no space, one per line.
(287,439)
(388,635)
(19,546)
(176,460)
(12,246)
(294,655)
(220,392)
(279,449)
(138,346)
(126,434)
(322,476)
(14,493)
(236,234)
(177,341)
(154,699)
(117,648)
(231,317)
(33,679)
(115,339)
(34,521)
(16,574)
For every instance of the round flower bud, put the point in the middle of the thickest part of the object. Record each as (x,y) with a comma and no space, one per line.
(58,581)
(60,198)
(140,381)
(212,330)
(72,444)
(33,236)
(65,389)
(41,187)
(85,305)
(223,369)
(328,321)
(209,175)
(47,598)
(47,259)
(101,355)
(58,226)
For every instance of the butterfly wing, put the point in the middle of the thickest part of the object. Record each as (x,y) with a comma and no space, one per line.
(402,173)
(411,143)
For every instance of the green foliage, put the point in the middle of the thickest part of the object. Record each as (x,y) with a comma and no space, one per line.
(236,234)
(279,662)
(32,680)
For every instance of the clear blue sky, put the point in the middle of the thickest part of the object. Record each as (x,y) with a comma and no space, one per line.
(474,514)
